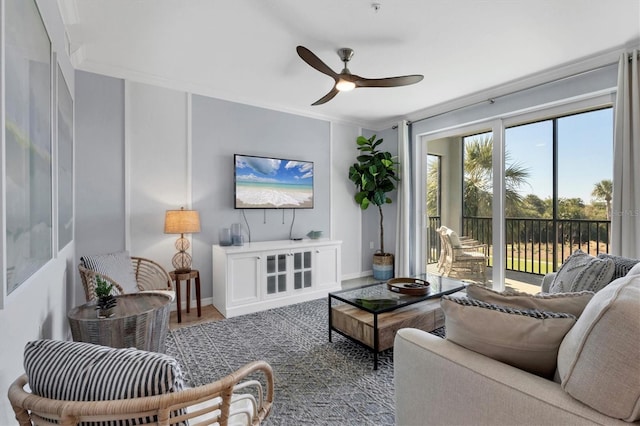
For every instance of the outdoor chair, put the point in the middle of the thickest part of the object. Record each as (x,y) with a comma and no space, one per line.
(464,241)
(86,390)
(128,274)
(465,259)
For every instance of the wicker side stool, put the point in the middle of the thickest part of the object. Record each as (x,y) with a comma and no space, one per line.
(140,320)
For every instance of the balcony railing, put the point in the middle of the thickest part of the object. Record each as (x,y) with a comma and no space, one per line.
(535,246)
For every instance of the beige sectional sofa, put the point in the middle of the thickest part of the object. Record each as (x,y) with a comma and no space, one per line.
(439,382)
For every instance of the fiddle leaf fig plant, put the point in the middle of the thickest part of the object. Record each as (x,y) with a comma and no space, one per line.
(375,175)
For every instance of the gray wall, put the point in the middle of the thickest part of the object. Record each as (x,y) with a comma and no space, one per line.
(371,217)
(99,166)
(145,149)
(221,129)
(346,217)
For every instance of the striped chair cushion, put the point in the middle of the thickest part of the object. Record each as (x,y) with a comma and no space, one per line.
(115,265)
(76,371)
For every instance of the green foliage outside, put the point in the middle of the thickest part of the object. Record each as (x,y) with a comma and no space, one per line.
(521,236)
(478,190)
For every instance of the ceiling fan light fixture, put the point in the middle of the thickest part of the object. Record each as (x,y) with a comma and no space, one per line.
(345,81)
(345,85)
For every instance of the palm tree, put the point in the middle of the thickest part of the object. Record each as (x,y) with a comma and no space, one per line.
(602,191)
(478,175)
(433,185)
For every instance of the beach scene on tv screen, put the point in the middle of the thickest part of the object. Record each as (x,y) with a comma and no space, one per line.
(273,183)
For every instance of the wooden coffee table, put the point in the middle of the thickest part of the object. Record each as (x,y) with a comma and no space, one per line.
(371,315)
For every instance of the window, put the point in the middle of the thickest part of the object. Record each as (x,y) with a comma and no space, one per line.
(564,200)
(28,142)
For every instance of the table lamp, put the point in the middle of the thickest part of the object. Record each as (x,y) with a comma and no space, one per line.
(181,222)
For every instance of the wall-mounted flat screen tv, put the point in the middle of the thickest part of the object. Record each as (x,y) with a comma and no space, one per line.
(272,183)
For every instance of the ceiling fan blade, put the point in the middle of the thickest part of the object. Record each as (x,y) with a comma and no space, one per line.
(314,61)
(404,80)
(326,98)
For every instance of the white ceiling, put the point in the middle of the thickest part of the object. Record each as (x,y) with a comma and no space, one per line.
(244,50)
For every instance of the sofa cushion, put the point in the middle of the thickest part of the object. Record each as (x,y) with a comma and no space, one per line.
(76,371)
(581,271)
(622,265)
(526,339)
(599,359)
(115,265)
(571,303)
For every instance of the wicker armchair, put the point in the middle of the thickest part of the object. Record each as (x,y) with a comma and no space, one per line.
(461,257)
(210,403)
(149,276)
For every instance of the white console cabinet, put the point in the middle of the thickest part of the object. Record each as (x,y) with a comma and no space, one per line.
(268,274)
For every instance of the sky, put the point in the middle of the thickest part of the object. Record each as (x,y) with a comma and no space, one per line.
(585,153)
(273,170)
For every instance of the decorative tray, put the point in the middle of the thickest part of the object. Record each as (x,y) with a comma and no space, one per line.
(412,286)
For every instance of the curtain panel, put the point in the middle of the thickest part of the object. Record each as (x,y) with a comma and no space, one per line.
(625,221)
(403,224)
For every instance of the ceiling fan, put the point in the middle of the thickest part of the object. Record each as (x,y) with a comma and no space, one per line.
(346,81)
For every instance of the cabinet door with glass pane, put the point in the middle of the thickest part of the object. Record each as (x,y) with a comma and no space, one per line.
(276,274)
(302,269)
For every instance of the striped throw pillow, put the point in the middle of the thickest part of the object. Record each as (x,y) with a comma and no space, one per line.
(622,264)
(116,266)
(76,371)
(571,303)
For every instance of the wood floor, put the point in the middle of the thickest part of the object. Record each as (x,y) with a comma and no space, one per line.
(209,313)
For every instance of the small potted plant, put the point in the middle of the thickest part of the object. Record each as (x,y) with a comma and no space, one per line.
(106,301)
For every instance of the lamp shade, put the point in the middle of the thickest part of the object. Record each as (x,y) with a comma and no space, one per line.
(181,222)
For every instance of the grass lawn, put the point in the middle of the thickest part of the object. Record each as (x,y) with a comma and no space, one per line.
(523,265)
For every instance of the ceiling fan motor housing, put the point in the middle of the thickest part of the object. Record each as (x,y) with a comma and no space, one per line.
(345,54)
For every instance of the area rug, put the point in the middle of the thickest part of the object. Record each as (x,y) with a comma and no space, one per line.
(317,382)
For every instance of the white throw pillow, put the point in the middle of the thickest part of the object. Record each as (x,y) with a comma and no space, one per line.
(116,266)
(582,272)
(599,358)
(453,237)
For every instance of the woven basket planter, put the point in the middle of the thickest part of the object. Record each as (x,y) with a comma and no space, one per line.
(383,266)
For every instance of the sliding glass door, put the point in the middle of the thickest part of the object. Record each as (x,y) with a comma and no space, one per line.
(566,202)
(532,190)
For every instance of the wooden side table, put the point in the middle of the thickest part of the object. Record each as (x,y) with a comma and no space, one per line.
(194,274)
(140,320)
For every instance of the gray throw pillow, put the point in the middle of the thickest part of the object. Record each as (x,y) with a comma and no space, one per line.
(582,272)
(622,264)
